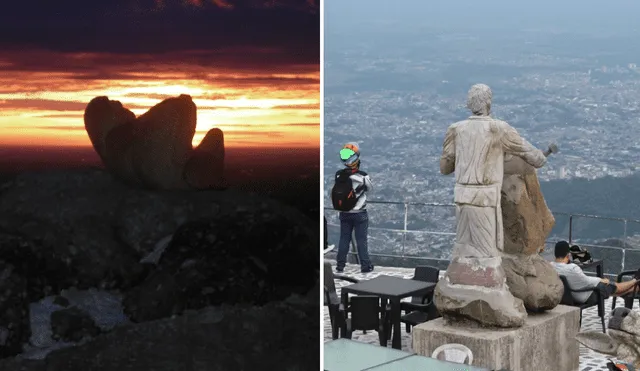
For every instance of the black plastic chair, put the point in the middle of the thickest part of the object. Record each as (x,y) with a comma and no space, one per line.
(326,234)
(365,313)
(628,299)
(567,299)
(331,299)
(421,309)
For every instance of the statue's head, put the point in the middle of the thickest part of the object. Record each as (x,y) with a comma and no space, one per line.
(479,99)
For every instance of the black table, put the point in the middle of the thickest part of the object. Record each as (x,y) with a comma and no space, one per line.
(393,289)
(596,263)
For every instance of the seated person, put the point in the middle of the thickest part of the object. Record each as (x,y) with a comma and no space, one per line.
(577,280)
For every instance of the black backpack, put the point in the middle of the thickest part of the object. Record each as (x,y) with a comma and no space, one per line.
(580,255)
(343,196)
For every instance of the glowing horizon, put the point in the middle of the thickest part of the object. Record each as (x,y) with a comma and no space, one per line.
(253,109)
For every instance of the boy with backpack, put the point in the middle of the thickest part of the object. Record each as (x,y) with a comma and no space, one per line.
(349,196)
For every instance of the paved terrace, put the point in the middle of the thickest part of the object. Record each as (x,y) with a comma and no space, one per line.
(589,360)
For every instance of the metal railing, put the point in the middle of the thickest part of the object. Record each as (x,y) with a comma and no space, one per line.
(599,251)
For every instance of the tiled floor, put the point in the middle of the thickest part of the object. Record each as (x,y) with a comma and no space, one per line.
(589,360)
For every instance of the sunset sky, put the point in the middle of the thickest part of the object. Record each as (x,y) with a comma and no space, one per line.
(252,67)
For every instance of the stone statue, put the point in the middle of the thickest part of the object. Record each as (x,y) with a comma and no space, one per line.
(474,286)
(154,150)
(527,222)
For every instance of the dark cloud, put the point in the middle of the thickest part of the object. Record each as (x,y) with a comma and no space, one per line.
(311,6)
(264,81)
(249,33)
(52,105)
(183,65)
(43,104)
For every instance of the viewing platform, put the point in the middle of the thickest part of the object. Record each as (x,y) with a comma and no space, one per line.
(589,360)
(403,235)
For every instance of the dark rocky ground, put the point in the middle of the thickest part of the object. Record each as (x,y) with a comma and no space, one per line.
(277,336)
(216,299)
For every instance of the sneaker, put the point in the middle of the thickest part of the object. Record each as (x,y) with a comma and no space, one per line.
(329,249)
(367,270)
(339,270)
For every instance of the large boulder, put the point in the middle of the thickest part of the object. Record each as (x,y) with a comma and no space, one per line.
(527,221)
(153,150)
(277,336)
(44,271)
(474,290)
(14,311)
(72,324)
(92,231)
(247,256)
(534,280)
(68,218)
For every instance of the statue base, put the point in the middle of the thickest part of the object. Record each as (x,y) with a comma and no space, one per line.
(491,306)
(546,341)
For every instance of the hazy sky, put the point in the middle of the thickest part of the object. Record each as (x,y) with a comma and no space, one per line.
(587,15)
(252,66)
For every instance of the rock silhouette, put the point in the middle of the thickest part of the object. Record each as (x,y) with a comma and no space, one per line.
(154,150)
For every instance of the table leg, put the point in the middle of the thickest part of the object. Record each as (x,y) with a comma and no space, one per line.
(396,342)
(387,335)
(344,297)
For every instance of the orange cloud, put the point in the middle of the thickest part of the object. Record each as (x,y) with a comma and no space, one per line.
(254,108)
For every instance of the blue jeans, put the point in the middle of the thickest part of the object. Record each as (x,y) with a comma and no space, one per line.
(358,222)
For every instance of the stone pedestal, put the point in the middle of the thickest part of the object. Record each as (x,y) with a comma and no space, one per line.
(545,342)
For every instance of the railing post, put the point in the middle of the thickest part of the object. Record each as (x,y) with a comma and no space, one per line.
(624,249)
(570,228)
(406,215)
(404,229)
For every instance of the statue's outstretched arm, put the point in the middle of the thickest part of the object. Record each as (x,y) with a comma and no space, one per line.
(516,145)
(448,158)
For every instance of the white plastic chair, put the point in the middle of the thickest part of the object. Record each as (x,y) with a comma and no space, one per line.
(456,353)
